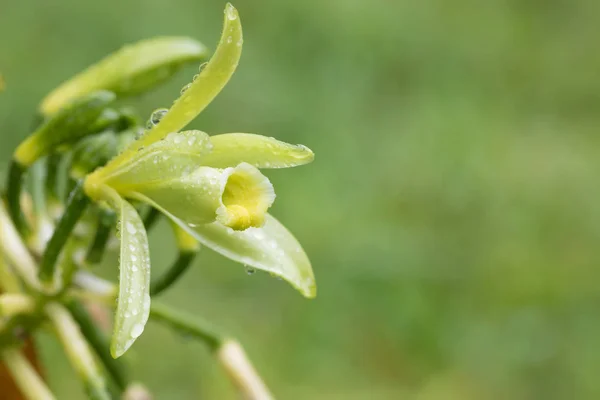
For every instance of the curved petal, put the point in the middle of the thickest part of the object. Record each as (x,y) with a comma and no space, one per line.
(167,159)
(271,248)
(230,149)
(237,197)
(131,70)
(207,85)
(133,304)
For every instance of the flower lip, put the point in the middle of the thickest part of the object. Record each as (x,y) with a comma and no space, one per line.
(245,198)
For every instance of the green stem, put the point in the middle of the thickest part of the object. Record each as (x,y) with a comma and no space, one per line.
(36,181)
(78,350)
(53,165)
(151,218)
(99,342)
(187,324)
(76,205)
(95,252)
(13,196)
(183,262)
(27,379)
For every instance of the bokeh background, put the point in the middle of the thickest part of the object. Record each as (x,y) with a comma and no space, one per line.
(452,213)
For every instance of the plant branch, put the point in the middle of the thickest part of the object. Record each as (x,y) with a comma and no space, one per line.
(27,379)
(76,205)
(78,350)
(181,264)
(99,342)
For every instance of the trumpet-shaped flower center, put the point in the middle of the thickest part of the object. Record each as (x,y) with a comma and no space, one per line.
(245,199)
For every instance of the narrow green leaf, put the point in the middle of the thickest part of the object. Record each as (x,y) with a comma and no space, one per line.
(133,304)
(230,149)
(77,120)
(131,70)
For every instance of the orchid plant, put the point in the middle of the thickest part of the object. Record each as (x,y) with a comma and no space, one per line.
(91,166)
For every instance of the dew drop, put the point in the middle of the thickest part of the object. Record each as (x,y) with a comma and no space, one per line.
(229,39)
(195,77)
(185,88)
(202,66)
(157,115)
(249,270)
(137,330)
(230,14)
(131,229)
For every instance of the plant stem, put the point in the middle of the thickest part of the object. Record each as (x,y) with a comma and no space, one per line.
(13,196)
(27,379)
(15,303)
(183,262)
(99,342)
(76,205)
(14,250)
(151,218)
(9,283)
(106,220)
(234,360)
(53,164)
(78,350)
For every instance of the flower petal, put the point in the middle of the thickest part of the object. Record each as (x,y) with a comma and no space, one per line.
(237,197)
(213,77)
(133,304)
(131,70)
(230,149)
(270,248)
(167,159)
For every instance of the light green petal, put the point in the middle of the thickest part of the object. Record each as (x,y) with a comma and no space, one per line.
(194,197)
(131,70)
(213,77)
(133,304)
(271,248)
(237,197)
(179,153)
(230,149)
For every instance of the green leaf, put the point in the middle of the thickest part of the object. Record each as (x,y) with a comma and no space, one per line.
(131,70)
(133,304)
(167,159)
(230,149)
(81,118)
(270,248)
(213,77)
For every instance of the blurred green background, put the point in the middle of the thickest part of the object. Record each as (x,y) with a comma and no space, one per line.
(451,214)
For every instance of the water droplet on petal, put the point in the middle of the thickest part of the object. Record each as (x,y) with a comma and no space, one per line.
(137,330)
(185,88)
(131,229)
(249,270)
(157,115)
(202,66)
(195,77)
